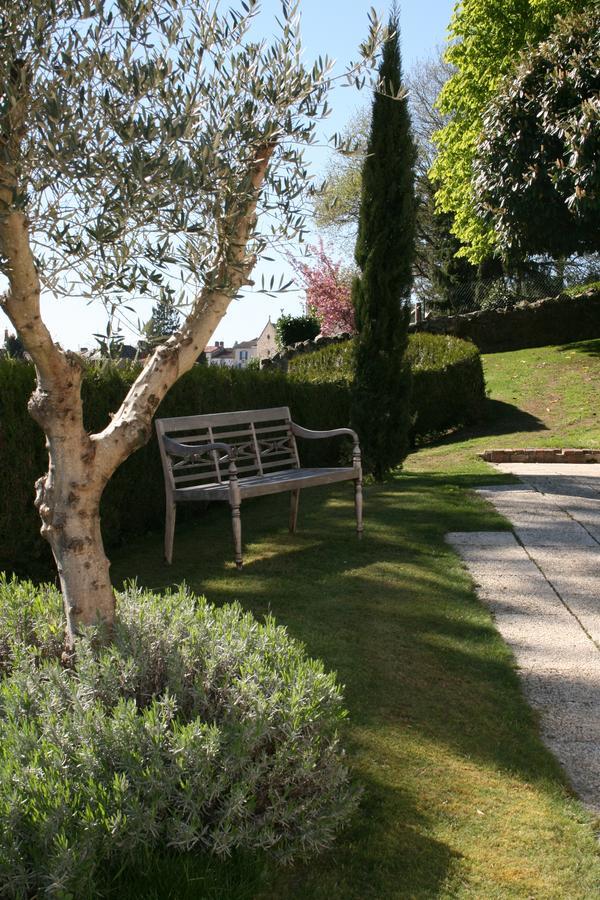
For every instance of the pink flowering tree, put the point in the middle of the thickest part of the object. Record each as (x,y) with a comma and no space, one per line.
(328,287)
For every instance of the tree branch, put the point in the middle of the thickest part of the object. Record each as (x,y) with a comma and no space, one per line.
(130,428)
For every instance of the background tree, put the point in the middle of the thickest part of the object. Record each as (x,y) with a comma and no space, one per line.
(139,143)
(485,39)
(328,288)
(537,171)
(337,205)
(385,254)
(290,330)
(165,320)
(13,347)
(443,281)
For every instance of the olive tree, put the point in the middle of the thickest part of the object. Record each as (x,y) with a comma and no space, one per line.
(140,141)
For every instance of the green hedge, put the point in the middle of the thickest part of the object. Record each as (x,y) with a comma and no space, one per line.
(133,502)
(448,391)
(448,383)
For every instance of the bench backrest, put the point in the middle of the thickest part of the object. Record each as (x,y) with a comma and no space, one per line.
(263,438)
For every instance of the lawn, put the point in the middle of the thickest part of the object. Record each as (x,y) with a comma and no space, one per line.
(461,800)
(543,397)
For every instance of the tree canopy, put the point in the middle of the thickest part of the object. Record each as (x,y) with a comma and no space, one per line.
(538,162)
(485,40)
(139,144)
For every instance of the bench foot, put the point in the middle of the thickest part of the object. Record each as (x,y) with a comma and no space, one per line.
(294,501)
(358,506)
(236,524)
(169,531)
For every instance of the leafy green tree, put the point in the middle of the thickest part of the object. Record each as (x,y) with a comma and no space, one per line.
(384,254)
(537,171)
(485,39)
(291,330)
(139,143)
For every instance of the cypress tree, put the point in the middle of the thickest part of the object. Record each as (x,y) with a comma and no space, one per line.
(385,251)
(164,322)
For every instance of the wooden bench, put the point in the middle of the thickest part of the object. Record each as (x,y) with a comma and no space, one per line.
(234,455)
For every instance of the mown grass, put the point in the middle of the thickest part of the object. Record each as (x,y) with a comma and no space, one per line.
(461,799)
(542,397)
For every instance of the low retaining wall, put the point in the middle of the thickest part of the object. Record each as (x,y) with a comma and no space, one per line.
(541,455)
(557,320)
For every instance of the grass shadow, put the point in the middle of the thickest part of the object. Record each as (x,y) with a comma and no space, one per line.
(589,348)
(434,699)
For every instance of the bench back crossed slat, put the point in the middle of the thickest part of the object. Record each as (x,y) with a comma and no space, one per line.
(263,439)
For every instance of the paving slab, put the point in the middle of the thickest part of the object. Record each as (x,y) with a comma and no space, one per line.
(542,584)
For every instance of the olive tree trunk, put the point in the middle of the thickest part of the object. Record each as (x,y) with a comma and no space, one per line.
(80,464)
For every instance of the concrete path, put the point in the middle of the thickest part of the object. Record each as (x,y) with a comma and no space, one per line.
(542,583)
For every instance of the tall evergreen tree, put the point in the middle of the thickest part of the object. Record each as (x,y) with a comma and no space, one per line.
(385,250)
(164,322)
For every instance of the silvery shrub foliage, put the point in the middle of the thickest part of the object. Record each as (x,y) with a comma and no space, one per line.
(198,729)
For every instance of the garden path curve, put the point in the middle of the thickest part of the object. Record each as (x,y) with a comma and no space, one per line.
(542,583)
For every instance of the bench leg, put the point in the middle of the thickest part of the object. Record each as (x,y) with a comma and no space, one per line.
(169,531)
(358,506)
(294,501)
(236,524)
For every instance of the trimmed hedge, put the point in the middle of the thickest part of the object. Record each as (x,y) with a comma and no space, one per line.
(448,391)
(133,502)
(448,383)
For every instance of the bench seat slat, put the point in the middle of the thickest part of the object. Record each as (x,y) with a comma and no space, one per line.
(273,483)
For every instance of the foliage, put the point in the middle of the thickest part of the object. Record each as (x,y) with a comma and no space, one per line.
(290,330)
(13,347)
(331,364)
(199,728)
(537,171)
(150,135)
(165,320)
(448,384)
(485,38)
(384,253)
(337,205)
(328,292)
(448,389)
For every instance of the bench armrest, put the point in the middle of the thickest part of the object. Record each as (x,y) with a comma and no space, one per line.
(174,448)
(299,431)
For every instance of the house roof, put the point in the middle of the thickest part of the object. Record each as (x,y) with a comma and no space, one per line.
(223,353)
(246,345)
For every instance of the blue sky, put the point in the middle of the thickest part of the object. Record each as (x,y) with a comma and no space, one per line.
(329,27)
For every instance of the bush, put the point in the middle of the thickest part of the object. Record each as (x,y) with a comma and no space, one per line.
(448,384)
(294,329)
(197,729)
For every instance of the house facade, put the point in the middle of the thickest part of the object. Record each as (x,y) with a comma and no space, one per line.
(238,356)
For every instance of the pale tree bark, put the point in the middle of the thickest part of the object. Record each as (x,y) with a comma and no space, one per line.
(80,464)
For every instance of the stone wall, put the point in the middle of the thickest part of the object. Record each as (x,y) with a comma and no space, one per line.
(557,320)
